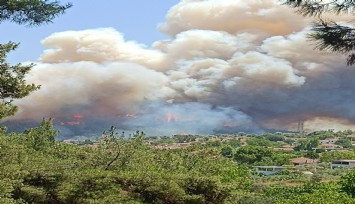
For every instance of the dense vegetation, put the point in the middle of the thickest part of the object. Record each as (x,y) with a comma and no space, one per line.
(35,168)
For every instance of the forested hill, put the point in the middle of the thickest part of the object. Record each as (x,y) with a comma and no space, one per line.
(37,169)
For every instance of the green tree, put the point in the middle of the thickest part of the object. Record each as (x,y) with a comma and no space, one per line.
(347,183)
(274,137)
(312,155)
(41,137)
(31,12)
(12,78)
(262,142)
(12,82)
(344,142)
(335,155)
(328,34)
(252,154)
(308,144)
(227,151)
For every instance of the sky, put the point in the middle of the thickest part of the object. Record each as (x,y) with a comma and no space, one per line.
(188,66)
(137,23)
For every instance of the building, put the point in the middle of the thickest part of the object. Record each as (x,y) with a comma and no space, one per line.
(330,147)
(342,164)
(268,170)
(328,141)
(302,161)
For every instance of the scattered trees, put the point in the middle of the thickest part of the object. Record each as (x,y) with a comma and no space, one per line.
(307,145)
(34,168)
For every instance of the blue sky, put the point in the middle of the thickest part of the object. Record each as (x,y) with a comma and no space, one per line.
(136,19)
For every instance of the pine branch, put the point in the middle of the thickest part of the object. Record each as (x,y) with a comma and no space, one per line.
(333,37)
(31,12)
(317,7)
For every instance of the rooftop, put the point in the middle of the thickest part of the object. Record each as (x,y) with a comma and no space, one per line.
(344,160)
(304,160)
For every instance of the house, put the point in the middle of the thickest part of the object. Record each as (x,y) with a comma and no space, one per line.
(284,148)
(268,170)
(302,161)
(330,147)
(71,141)
(342,164)
(328,141)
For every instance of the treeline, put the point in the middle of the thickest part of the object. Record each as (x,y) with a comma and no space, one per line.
(34,168)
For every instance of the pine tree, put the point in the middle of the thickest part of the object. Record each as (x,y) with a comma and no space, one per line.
(31,12)
(12,78)
(328,34)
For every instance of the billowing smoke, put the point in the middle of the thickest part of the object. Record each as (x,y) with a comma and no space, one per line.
(230,65)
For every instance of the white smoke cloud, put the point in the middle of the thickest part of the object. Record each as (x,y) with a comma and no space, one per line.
(229,63)
(232,16)
(97,89)
(98,45)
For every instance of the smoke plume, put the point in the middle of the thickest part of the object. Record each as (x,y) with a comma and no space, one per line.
(230,65)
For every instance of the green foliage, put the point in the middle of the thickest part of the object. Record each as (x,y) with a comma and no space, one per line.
(251,154)
(262,142)
(37,169)
(34,168)
(274,137)
(347,183)
(227,151)
(308,193)
(92,186)
(214,143)
(255,155)
(320,196)
(328,34)
(307,145)
(31,12)
(184,138)
(12,78)
(209,189)
(316,8)
(344,142)
(12,83)
(322,135)
(311,155)
(336,155)
(41,137)
(234,143)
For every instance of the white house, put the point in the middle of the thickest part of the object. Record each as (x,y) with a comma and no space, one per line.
(268,170)
(328,141)
(342,164)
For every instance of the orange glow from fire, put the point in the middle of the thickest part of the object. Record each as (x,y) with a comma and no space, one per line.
(170,117)
(78,116)
(128,115)
(75,120)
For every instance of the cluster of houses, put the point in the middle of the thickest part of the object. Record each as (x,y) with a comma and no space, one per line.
(327,144)
(269,170)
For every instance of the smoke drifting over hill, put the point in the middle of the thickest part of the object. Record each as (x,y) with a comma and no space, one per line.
(229,66)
